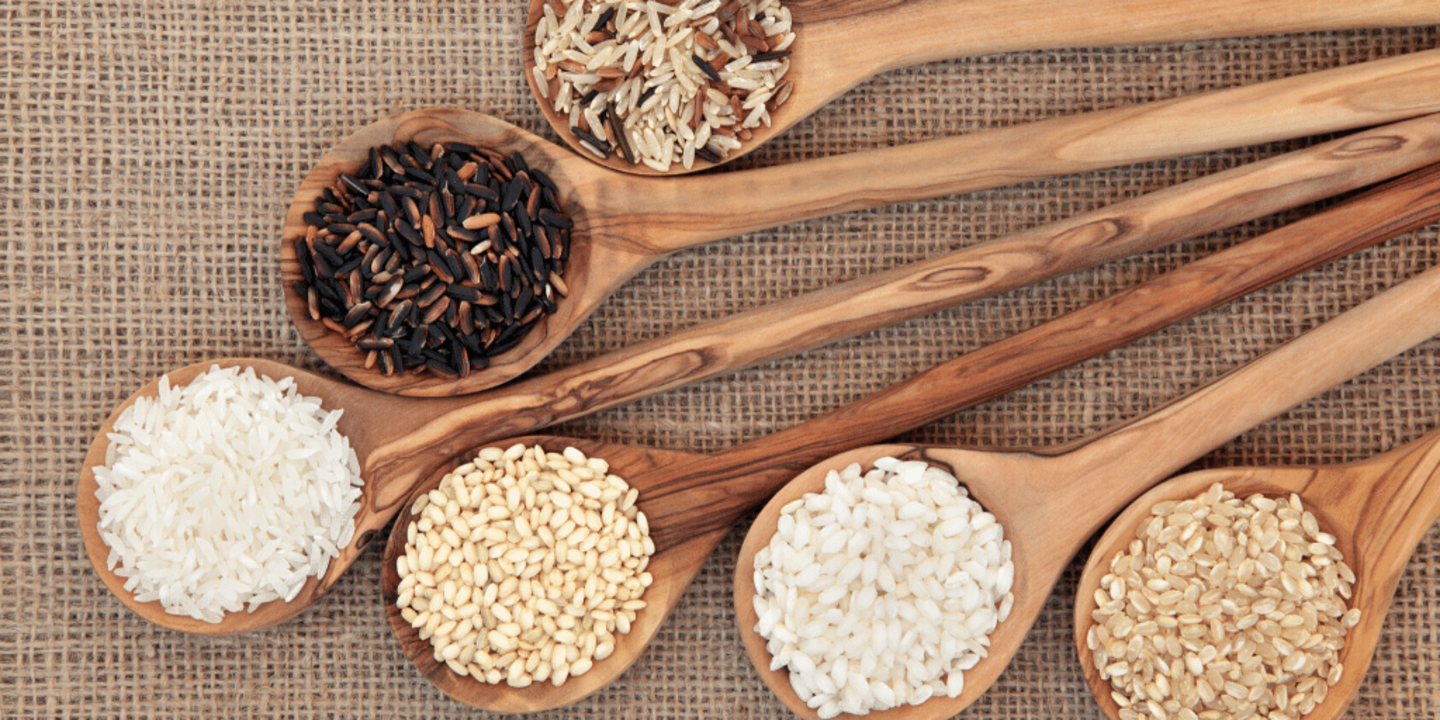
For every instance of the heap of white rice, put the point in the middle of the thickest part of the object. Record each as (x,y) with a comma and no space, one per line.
(231,490)
(882,590)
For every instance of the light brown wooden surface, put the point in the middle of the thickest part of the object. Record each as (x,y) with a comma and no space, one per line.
(838,44)
(625,223)
(1050,501)
(1377,509)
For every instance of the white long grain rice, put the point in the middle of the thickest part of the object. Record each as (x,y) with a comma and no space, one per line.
(227,492)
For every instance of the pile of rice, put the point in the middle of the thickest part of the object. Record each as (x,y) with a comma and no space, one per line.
(882,590)
(663,82)
(230,491)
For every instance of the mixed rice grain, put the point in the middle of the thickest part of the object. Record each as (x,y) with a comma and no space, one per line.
(663,83)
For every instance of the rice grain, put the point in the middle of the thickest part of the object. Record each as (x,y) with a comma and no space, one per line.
(226,493)
(882,590)
(1260,635)
(657,74)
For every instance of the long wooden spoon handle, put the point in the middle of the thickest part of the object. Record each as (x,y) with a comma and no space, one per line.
(1338,350)
(1387,503)
(712,491)
(450,427)
(673,213)
(860,39)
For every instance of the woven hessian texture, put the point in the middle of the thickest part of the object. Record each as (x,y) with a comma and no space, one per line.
(148,151)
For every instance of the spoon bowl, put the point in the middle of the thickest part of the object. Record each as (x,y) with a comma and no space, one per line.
(267,614)
(624,223)
(1378,509)
(1049,502)
(427,128)
(672,566)
(993,497)
(838,45)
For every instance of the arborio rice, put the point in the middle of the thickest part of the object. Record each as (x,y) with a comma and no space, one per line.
(1223,609)
(227,492)
(663,83)
(883,589)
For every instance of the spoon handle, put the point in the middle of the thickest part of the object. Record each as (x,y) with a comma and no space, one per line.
(859,39)
(1386,503)
(674,213)
(446,428)
(711,492)
(1114,467)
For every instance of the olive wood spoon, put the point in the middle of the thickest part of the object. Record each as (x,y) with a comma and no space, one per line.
(393,461)
(1050,501)
(1378,510)
(838,44)
(624,223)
(692,500)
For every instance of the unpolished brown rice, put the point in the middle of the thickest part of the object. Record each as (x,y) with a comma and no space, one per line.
(1223,609)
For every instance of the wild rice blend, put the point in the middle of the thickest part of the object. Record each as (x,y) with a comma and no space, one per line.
(663,83)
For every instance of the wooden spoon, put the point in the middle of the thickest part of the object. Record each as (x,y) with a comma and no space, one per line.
(838,45)
(692,500)
(435,431)
(1378,510)
(625,223)
(1051,501)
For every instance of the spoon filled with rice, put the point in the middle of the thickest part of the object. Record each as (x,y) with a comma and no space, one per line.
(900,580)
(657,88)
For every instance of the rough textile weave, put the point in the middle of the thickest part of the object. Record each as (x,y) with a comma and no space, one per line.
(148,151)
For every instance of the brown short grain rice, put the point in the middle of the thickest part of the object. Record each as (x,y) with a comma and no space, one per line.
(1225,609)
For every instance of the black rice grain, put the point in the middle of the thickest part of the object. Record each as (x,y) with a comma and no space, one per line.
(433,261)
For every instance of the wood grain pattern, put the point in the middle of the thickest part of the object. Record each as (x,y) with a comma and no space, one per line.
(839,44)
(1377,509)
(402,440)
(863,304)
(625,223)
(1003,366)
(692,500)
(1050,501)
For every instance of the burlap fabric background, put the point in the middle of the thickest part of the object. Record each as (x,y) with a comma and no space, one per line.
(149,149)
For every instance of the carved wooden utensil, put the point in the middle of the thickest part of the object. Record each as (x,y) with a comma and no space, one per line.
(1378,510)
(838,45)
(624,223)
(1051,501)
(692,500)
(400,440)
